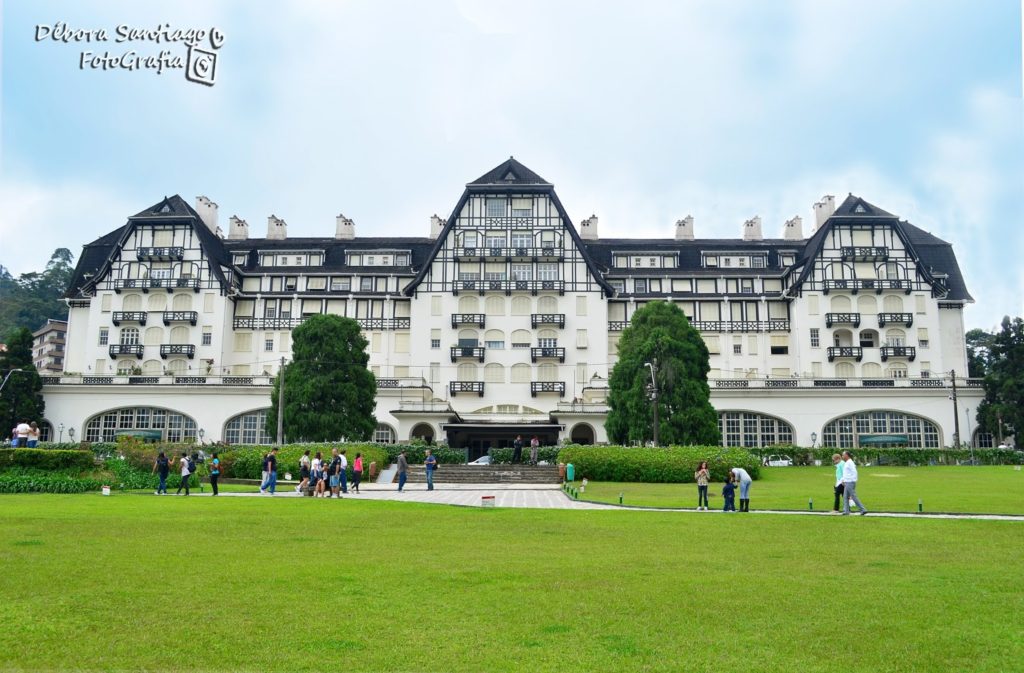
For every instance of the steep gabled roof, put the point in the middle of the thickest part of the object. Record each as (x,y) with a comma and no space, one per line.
(854,206)
(510,172)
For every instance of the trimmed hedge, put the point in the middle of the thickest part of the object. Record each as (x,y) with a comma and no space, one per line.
(674,464)
(46,459)
(416,454)
(503,456)
(22,480)
(247,462)
(896,455)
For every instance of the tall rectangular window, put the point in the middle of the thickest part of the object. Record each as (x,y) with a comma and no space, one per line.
(268,345)
(104,336)
(815,337)
(581,338)
(581,305)
(435,304)
(207,336)
(435,338)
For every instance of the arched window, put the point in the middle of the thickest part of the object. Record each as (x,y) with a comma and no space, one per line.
(547,372)
(132,302)
(895,337)
(866,305)
(152,368)
(845,370)
(840,304)
(868,338)
(520,373)
(520,306)
(154,336)
(125,367)
(494,306)
(521,338)
(248,428)
(157,301)
(494,339)
(494,373)
(842,337)
(547,304)
(467,371)
(177,367)
(468,338)
(129,336)
(173,426)
(847,432)
(547,338)
(745,428)
(384,434)
(179,335)
(468,304)
(871,370)
(896,370)
(182,302)
(893,303)
(983,440)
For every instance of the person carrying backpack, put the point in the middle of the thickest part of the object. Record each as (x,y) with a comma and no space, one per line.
(186,470)
(163,466)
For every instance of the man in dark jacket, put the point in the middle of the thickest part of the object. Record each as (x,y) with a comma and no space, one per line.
(403,470)
(517,449)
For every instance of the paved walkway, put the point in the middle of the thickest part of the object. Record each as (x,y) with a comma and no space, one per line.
(542,496)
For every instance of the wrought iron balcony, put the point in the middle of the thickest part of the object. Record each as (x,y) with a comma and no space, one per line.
(864,253)
(855,352)
(908,352)
(467,352)
(119,317)
(548,353)
(384,323)
(855,285)
(266,323)
(478,319)
(456,387)
(508,286)
(906,319)
(778,325)
(842,319)
(617,325)
(171,284)
(188,350)
(130,284)
(537,387)
(190,317)
(533,286)
(125,349)
(547,319)
(162,254)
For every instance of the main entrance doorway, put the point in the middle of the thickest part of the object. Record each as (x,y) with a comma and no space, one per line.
(479,437)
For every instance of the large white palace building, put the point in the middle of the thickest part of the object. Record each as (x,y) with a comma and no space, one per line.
(505,320)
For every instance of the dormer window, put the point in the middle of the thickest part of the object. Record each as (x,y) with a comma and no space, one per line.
(758,262)
(385,261)
(726,261)
(370,261)
(284,261)
(401,260)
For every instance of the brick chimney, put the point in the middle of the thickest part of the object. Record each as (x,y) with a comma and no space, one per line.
(277,229)
(238,229)
(684,229)
(345,229)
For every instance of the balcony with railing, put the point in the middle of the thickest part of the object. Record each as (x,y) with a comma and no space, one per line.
(845,352)
(548,353)
(778,325)
(266,323)
(191,317)
(540,387)
(119,317)
(478,319)
(617,325)
(550,252)
(117,350)
(467,353)
(508,286)
(171,284)
(538,319)
(842,319)
(130,284)
(855,285)
(905,319)
(188,350)
(908,352)
(862,253)
(384,323)
(456,387)
(162,254)
(872,384)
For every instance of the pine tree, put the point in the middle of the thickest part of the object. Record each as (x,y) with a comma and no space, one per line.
(329,392)
(660,330)
(22,396)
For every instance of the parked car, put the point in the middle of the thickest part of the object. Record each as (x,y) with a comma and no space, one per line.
(778,460)
(482,460)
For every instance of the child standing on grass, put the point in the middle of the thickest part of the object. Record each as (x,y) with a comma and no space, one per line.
(729,494)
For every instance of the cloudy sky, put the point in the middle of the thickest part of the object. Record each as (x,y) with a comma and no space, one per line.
(641,112)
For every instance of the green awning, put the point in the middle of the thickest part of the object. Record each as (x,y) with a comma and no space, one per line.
(878,440)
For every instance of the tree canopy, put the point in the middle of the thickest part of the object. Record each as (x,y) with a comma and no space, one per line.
(660,330)
(329,392)
(1004,383)
(979,352)
(22,397)
(35,296)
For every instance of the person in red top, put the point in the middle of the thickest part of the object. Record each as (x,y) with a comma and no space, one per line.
(357,472)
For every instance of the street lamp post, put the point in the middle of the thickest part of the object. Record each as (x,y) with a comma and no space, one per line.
(201,433)
(970,437)
(71,434)
(4,383)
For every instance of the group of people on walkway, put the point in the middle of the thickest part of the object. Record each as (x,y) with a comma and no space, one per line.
(325,478)
(187,466)
(25,435)
(737,476)
(846,484)
(429,467)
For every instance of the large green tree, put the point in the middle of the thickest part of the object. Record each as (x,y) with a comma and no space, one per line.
(329,393)
(660,330)
(979,352)
(1004,384)
(35,296)
(22,396)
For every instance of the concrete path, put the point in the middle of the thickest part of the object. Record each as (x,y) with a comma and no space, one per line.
(542,496)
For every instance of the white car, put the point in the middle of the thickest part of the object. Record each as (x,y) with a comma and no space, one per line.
(482,460)
(778,461)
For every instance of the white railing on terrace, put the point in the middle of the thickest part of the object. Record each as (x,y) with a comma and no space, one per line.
(782,383)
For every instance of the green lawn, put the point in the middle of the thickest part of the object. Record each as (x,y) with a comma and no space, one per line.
(144,583)
(996,490)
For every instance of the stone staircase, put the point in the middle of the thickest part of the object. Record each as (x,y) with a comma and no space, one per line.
(487,474)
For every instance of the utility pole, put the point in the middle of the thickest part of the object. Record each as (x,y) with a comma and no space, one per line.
(956,413)
(280,403)
(653,366)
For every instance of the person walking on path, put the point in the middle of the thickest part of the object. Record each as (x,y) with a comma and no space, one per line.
(263,476)
(162,466)
(185,473)
(357,472)
(271,483)
(33,435)
(332,471)
(303,472)
(838,489)
(850,485)
(741,475)
(429,465)
(403,470)
(343,471)
(702,476)
(534,446)
(214,472)
(317,475)
(517,449)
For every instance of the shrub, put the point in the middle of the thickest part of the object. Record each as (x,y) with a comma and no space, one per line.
(417,453)
(674,464)
(46,459)
(544,453)
(30,480)
(247,462)
(896,455)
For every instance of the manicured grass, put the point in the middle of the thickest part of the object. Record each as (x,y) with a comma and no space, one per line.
(983,489)
(260,584)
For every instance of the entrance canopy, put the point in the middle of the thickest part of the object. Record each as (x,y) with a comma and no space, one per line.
(883,440)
